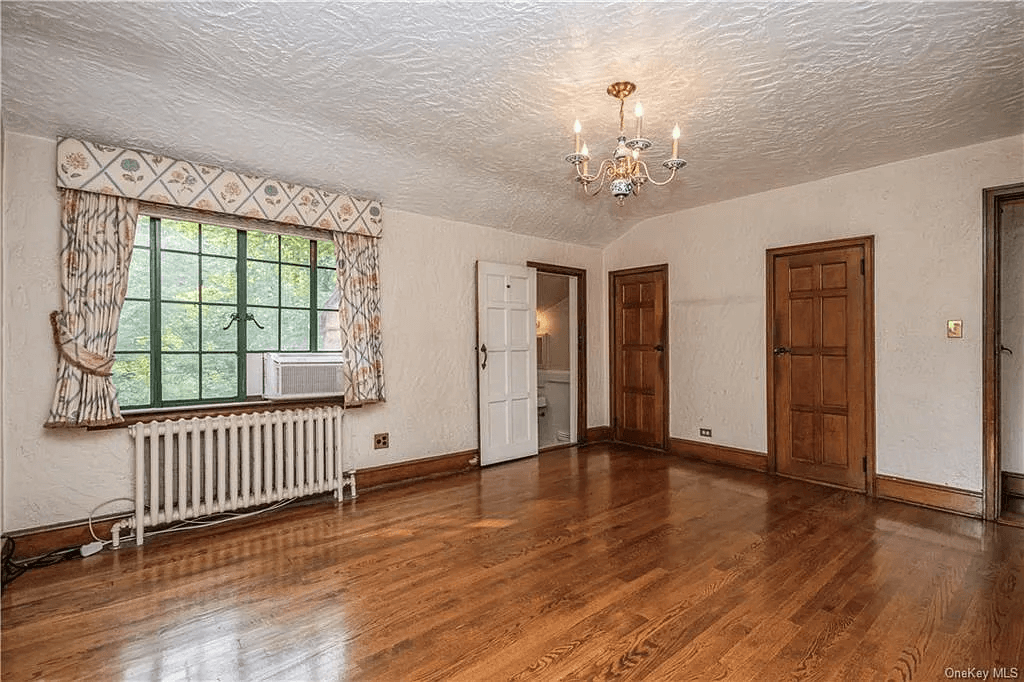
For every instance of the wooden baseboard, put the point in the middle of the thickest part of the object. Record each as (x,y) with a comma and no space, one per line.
(34,542)
(1013,484)
(965,502)
(599,434)
(37,541)
(1013,493)
(417,469)
(719,454)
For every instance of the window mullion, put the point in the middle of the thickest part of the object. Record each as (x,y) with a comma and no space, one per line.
(155,326)
(241,297)
(314,284)
(280,292)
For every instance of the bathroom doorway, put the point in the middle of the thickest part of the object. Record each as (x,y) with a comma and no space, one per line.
(561,356)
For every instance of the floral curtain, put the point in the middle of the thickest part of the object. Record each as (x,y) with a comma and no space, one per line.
(98,233)
(359,282)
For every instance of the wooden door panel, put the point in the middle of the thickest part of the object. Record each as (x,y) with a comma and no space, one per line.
(818,304)
(833,382)
(835,447)
(801,323)
(639,364)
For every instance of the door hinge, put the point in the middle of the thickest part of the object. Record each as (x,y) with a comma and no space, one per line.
(862,266)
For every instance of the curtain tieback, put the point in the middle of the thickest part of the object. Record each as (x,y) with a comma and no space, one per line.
(74,352)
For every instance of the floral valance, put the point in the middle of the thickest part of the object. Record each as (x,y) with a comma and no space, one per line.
(146,176)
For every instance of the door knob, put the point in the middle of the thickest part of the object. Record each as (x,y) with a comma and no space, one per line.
(1005,349)
(782,350)
(659,348)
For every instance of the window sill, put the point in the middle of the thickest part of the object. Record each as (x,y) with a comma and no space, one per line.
(219,410)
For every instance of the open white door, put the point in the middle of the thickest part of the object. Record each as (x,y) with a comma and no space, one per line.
(507,361)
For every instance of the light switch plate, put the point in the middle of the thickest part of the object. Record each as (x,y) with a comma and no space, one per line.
(954,329)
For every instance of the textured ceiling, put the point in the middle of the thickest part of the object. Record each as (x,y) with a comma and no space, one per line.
(464,111)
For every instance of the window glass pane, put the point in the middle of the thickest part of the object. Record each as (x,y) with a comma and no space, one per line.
(179,326)
(294,286)
(131,378)
(179,235)
(325,254)
(262,339)
(263,283)
(294,250)
(294,330)
(222,241)
(138,274)
(180,377)
(327,295)
(220,280)
(220,376)
(142,231)
(329,330)
(133,329)
(261,245)
(179,277)
(215,337)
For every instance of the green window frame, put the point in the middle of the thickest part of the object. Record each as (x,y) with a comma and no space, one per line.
(202,297)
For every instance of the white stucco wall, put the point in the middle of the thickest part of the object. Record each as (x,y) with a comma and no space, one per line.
(428,280)
(926,215)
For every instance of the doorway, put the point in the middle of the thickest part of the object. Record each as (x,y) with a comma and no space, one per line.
(561,355)
(820,361)
(1003,355)
(639,355)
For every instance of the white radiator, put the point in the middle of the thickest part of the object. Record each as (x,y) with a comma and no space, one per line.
(190,468)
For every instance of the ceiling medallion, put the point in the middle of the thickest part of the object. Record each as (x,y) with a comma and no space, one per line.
(625,173)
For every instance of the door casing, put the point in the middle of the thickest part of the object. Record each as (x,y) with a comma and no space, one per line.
(992,488)
(867,243)
(581,346)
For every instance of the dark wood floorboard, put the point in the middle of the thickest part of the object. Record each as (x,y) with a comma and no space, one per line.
(605,563)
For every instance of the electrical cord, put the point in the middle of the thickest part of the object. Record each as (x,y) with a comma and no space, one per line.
(206,521)
(12,568)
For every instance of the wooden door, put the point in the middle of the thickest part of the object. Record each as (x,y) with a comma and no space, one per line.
(639,306)
(819,326)
(507,361)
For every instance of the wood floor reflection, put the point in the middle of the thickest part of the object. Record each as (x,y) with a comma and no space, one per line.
(602,563)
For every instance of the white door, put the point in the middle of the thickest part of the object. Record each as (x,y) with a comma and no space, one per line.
(507,361)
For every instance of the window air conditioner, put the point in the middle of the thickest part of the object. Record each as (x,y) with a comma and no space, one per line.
(287,376)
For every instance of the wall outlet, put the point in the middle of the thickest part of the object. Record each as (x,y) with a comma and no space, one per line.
(706,433)
(380,441)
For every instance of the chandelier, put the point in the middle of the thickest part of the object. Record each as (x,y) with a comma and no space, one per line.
(625,172)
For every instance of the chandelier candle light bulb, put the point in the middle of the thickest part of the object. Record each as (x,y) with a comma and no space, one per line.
(624,172)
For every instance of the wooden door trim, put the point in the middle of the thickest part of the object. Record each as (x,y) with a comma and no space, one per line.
(868,244)
(994,197)
(613,383)
(581,331)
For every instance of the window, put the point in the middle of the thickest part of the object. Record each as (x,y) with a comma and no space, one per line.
(204,301)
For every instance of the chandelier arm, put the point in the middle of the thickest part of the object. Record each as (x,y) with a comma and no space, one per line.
(591,178)
(599,174)
(604,176)
(647,176)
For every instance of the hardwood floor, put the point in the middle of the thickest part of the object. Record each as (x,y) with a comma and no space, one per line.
(602,563)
